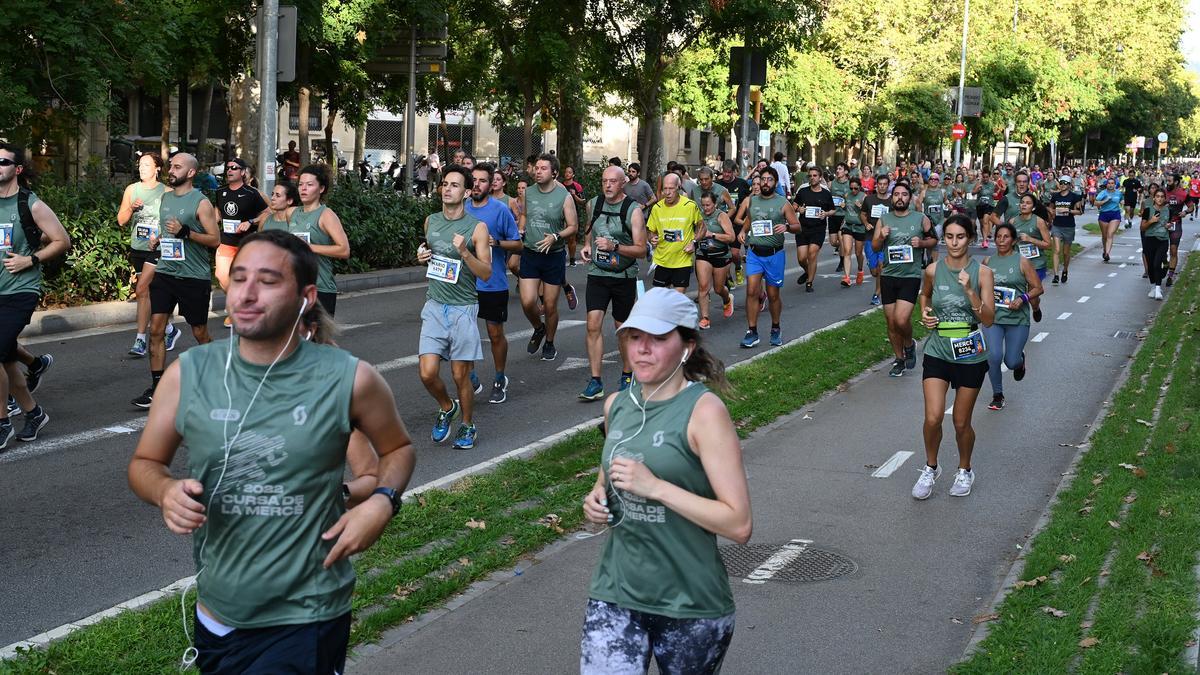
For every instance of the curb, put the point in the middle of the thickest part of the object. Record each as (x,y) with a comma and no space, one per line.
(68,319)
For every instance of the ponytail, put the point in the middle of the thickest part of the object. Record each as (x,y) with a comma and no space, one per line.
(702,365)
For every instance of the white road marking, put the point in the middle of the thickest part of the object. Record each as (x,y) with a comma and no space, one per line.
(1196,246)
(778,560)
(573,362)
(1064,316)
(894,462)
(1138,251)
(1084,299)
(1099,285)
(120,430)
(1122,266)
(413,359)
(27,450)
(353,326)
(1110,274)
(1133,257)
(1039,337)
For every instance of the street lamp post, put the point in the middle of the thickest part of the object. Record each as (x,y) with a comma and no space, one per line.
(962,81)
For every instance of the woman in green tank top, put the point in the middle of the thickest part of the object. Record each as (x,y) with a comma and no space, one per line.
(1015,287)
(854,233)
(671,480)
(713,257)
(326,237)
(1033,240)
(1156,240)
(285,198)
(956,300)
(140,211)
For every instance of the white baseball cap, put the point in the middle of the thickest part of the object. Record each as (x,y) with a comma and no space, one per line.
(660,311)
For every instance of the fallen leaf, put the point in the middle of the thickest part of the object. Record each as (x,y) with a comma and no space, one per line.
(1114,524)
(870,466)
(1085,510)
(956,620)
(1139,472)
(1170,449)
(1056,613)
(1185,426)
(476,524)
(1124,465)
(1032,582)
(1097,480)
(983,618)
(1190,643)
(1129,499)
(464,561)
(507,540)
(1142,454)
(1142,421)
(1066,559)
(581,474)
(1089,642)
(1164,512)
(403,590)
(421,500)
(551,520)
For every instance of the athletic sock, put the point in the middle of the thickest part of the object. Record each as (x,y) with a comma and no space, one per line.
(774,326)
(155,376)
(35,412)
(500,376)
(141,336)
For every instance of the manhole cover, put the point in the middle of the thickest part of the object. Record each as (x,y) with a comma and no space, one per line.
(785,562)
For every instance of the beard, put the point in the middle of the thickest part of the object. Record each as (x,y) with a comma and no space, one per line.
(176,181)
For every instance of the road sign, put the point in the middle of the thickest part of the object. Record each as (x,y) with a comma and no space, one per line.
(764,138)
(958,132)
(1162,137)
(758,67)
(972,100)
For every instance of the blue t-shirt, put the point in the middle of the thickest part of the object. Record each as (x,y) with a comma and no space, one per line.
(1111,199)
(502,227)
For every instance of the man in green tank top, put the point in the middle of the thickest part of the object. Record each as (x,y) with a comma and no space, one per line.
(612,247)
(548,219)
(266,454)
(457,252)
(901,235)
(21,289)
(183,278)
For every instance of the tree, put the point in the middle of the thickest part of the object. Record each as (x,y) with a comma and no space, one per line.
(696,87)
(917,114)
(810,96)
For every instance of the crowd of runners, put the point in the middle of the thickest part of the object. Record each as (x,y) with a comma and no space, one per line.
(906,233)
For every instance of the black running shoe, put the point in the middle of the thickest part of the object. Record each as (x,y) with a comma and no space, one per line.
(33,379)
(1170,282)
(145,399)
(997,402)
(1037,315)
(1064,276)
(910,357)
(1055,280)
(897,368)
(535,340)
(32,426)
(1019,371)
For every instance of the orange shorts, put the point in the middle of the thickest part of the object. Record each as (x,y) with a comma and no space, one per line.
(226,251)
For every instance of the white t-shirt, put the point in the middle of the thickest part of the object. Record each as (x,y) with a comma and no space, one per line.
(785,178)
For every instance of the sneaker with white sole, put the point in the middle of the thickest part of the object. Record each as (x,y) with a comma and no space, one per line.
(33,424)
(172,337)
(36,372)
(924,485)
(138,350)
(962,483)
(1158,293)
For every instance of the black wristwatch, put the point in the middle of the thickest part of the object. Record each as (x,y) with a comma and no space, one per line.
(392,495)
(185,232)
(34,261)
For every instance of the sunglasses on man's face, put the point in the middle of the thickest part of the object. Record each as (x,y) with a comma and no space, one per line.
(233,167)
(4,161)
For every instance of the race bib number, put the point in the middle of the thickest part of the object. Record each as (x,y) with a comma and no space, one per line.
(935,208)
(812,212)
(900,254)
(1170,226)
(966,347)
(171,249)
(878,210)
(1004,295)
(672,235)
(230,225)
(973,196)
(145,232)
(839,202)
(443,269)
(6,234)
(1062,211)
(607,258)
(304,236)
(1029,251)
(762,228)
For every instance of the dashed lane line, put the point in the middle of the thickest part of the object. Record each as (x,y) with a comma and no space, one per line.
(1039,337)
(894,462)
(1084,299)
(1064,316)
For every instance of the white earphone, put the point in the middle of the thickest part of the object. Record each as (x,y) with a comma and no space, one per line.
(686,352)
(303,306)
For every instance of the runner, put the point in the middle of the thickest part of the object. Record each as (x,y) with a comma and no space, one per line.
(874,206)
(1015,285)
(238,207)
(934,200)
(1067,205)
(814,204)
(1108,202)
(984,190)
(712,258)
(1177,200)
(1193,194)
(706,182)
(839,187)
(275,583)
(183,276)
(764,221)
(493,291)
(139,206)
(900,233)
(318,225)
(28,222)
(576,191)
(672,229)
(639,190)
(614,241)
(549,219)
(660,586)
(854,234)
(496,191)
(739,190)
(956,297)
(457,252)
(1132,190)
(1156,240)
(1033,241)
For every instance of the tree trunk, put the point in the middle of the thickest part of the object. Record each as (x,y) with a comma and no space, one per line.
(360,145)
(331,154)
(165,126)
(302,103)
(184,100)
(527,129)
(650,126)
(205,119)
(571,116)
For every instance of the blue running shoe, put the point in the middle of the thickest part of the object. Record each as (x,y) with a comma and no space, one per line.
(441,428)
(465,439)
(751,339)
(776,337)
(875,300)
(139,347)
(594,390)
(172,336)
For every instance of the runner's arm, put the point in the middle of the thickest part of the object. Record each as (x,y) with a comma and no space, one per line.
(570,217)
(207,215)
(125,211)
(727,234)
(925,299)
(987,308)
(364,466)
(1044,231)
(637,226)
(149,469)
(928,234)
(1031,279)
(480,261)
(331,225)
(55,239)
(789,214)
(595,503)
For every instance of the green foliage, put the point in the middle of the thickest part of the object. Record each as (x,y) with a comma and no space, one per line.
(916,112)
(384,226)
(696,87)
(810,96)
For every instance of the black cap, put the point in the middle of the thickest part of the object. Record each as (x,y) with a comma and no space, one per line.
(240,162)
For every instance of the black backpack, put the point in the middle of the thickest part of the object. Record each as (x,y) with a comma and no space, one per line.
(33,233)
(623,262)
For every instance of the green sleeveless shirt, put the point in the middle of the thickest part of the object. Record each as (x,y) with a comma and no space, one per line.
(25,281)
(1029,226)
(951,306)
(655,560)
(1014,204)
(609,226)
(904,228)
(1007,272)
(145,217)
(197,258)
(1159,229)
(440,236)
(544,215)
(934,204)
(262,547)
(840,190)
(721,250)
(310,222)
(854,204)
(765,209)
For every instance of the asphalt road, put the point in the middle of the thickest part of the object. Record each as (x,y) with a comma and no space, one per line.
(76,541)
(923,569)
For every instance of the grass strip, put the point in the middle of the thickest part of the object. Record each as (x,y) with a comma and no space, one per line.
(448,539)
(1145,609)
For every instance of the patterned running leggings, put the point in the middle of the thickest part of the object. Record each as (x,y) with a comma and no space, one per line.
(619,641)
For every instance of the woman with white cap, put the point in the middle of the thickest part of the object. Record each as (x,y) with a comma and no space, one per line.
(671,480)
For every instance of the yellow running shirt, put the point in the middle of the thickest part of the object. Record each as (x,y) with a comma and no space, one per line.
(676,230)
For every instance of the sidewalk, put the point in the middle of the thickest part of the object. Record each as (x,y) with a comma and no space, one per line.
(917,572)
(52,321)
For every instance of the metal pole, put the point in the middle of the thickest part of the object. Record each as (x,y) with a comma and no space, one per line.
(1006,132)
(410,113)
(1016,5)
(744,143)
(1085,142)
(268,113)
(962,81)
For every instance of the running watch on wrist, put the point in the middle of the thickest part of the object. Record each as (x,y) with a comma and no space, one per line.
(392,495)
(34,260)
(184,232)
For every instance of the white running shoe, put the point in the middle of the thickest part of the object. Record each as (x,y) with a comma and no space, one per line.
(1158,293)
(962,483)
(924,486)
(1151,293)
